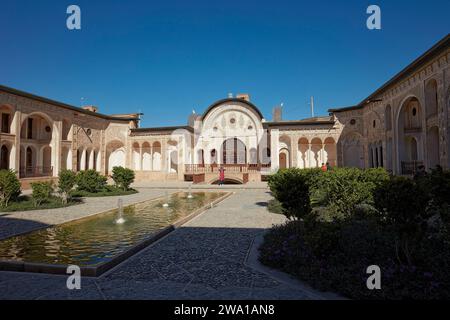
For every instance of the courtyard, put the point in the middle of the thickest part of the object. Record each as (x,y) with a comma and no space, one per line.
(213,256)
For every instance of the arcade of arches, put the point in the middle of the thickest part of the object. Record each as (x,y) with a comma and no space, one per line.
(401,126)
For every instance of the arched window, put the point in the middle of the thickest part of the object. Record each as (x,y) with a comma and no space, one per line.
(4,155)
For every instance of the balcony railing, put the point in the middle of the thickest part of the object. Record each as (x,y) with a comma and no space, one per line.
(33,172)
(410,167)
(229,168)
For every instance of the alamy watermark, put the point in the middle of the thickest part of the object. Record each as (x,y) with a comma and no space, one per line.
(74,280)
(374,20)
(73,22)
(374,280)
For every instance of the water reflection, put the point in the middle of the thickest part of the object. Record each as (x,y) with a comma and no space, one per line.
(97,239)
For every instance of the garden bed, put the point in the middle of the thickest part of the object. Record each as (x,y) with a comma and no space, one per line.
(342,222)
(107,192)
(26,203)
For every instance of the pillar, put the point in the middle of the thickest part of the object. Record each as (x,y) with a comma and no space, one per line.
(274,149)
(55,144)
(294,147)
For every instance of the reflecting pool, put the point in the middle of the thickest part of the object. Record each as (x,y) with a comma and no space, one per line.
(97,239)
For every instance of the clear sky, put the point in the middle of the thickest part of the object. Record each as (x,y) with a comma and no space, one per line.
(166,58)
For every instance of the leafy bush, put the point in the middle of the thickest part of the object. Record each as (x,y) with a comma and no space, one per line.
(291,188)
(403,226)
(9,187)
(123,177)
(402,204)
(90,181)
(41,192)
(66,182)
(343,189)
(340,190)
(108,191)
(334,257)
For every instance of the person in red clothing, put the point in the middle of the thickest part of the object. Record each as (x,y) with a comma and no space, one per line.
(324,167)
(221,176)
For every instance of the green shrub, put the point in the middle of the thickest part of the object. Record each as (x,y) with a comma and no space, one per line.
(437,185)
(291,188)
(90,181)
(340,190)
(41,192)
(334,257)
(123,177)
(402,205)
(343,189)
(9,187)
(66,182)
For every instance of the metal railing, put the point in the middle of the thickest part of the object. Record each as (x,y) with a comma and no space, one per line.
(410,167)
(229,168)
(36,171)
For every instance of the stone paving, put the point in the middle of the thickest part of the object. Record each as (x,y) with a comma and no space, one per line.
(210,257)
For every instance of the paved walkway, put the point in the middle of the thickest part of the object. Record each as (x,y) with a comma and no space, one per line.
(211,257)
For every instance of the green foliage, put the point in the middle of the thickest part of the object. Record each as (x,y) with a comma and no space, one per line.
(26,203)
(334,256)
(123,177)
(9,187)
(344,189)
(108,191)
(274,206)
(340,190)
(437,185)
(66,182)
(90,181)
(403,226)
(41,192)
(402,204)
(291,188)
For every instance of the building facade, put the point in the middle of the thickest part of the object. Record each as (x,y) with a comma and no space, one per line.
(402,125)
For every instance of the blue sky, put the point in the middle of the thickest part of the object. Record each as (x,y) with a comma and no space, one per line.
(165,58)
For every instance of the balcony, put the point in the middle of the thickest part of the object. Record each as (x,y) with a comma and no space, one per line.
(34,172)
(410,167)
(229,168)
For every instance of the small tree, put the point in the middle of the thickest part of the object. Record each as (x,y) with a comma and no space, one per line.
(67,180)
(123,177)
(402,204)
(42,192)
(291,188)
(9,187)
(90,181)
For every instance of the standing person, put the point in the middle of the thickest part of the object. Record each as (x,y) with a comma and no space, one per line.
(324,167)
(328,166)
(221,175)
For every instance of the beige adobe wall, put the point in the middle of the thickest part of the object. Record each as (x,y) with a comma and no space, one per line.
(412,87)
(86,132)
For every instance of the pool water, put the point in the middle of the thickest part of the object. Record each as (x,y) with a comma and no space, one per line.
(97,239)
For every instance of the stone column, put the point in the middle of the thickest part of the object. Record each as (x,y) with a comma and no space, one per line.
(164,157)
(182,152)
(55,144)
(294,147)
(15,130)
(310,155)
(140,158)
(274,149)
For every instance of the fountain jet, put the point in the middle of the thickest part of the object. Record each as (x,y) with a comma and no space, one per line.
(120,219)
